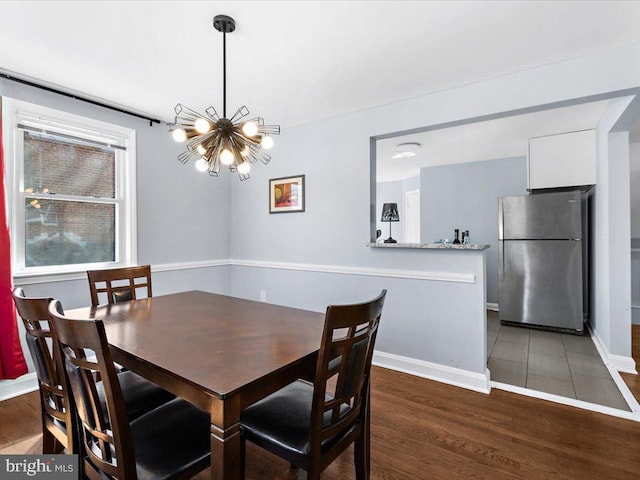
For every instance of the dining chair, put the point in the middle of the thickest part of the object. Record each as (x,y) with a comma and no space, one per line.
(58,422)
(309,425)
(59,429)
(119,284)
(169,442)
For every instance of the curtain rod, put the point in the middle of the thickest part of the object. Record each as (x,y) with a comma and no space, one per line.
(76,97)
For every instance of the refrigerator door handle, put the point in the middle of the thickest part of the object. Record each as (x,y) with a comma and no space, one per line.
(501,260)
(500,220)
(501,239)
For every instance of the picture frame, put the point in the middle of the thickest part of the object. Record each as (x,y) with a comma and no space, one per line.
(286,194)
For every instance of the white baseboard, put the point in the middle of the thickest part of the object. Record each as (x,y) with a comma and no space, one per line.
(453,376)
(12,388)
(615,364)
(621,363)
(594,407)
(493,306)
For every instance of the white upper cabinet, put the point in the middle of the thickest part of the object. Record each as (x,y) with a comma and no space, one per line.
(563,160)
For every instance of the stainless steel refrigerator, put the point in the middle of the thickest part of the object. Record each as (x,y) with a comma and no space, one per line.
(543,271)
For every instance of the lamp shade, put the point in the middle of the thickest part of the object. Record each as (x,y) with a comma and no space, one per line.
(390,213)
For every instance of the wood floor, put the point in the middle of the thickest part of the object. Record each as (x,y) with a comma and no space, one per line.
(633,381)
(428,430)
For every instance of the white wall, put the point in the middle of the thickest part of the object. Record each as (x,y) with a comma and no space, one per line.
(611,287)
(334,154)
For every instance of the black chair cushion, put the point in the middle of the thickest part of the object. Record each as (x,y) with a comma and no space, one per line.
(122,296)
(140,395)
(283,418)
(171,439)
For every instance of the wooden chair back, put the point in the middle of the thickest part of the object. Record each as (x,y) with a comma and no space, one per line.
(344,360)
(119,284)
(105,436)
(57,410)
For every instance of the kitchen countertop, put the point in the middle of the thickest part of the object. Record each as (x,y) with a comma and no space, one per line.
(430,246)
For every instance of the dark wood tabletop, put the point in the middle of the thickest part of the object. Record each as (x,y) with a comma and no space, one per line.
(220,353)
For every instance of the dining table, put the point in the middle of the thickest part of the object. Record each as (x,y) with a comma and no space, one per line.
(218,352)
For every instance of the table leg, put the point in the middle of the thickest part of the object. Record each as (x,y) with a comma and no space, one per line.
(225,439)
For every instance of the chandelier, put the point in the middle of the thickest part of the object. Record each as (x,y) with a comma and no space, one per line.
(236,142)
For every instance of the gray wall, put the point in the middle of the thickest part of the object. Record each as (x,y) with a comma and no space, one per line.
(182,215)
(635,281)
(634,166)
(334,155)
(465,196)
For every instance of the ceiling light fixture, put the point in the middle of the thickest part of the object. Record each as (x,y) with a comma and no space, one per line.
(234,142)
(408,147)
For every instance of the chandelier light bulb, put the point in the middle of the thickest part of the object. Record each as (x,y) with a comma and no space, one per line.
(37,205)
(33,202)
(250,129)
(28,190)
(226,157)
(244,168)
(179,135)
(201,150)
(245,151)
(202,165)
(267,142)
(202,125)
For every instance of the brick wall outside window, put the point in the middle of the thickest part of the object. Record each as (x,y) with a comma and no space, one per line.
(68,232)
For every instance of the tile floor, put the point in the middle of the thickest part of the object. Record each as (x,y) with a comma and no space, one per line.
(566,365)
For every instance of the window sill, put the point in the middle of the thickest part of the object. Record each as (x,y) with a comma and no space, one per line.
(60,275)
(31,278)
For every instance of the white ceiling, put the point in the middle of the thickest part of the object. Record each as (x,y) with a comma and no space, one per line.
(502,138)
(296,62)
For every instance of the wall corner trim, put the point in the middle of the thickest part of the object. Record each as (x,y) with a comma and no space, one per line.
(13,388)
(479,382)
(621,363)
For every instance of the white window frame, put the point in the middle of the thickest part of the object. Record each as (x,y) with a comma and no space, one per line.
(14,113)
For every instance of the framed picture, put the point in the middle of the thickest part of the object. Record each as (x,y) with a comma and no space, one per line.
(286,194)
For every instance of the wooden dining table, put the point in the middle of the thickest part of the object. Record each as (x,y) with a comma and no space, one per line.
(220,353)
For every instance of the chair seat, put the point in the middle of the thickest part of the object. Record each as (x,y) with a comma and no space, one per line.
(185,445)
(282,419)
(140,395)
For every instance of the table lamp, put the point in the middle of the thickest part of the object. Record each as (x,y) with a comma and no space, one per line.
(390,214)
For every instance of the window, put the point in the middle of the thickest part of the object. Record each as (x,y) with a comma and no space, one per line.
(71,184)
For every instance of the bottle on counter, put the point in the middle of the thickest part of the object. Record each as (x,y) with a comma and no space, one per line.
(456,240)
(465,237)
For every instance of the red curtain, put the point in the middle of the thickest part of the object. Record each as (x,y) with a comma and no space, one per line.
(12,363)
